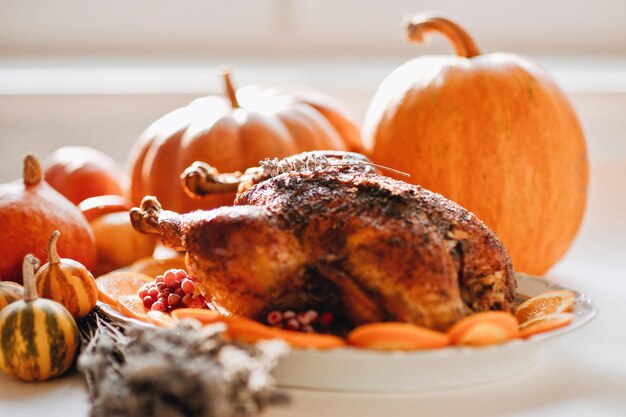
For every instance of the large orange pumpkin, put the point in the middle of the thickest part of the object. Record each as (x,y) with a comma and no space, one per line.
(233,133)
(492,132)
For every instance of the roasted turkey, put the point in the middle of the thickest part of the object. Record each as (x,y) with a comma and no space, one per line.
(325,230)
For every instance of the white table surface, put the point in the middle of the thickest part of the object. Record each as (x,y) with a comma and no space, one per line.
(580,374)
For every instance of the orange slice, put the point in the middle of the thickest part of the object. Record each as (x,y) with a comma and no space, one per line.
(309,340)
(483,329)
(397,336)
(545,324)
(115,284)
(551,302)
(160,318)
(154,267)
(131,306)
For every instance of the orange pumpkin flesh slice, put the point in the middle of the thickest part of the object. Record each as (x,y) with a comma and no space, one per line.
(484,329)
(250,331)
(122,283)
(396,336)
(131,306)
(545,324)
(551,302)
(238,328)
(309,340)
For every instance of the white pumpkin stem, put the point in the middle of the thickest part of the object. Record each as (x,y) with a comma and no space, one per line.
(421,25)
(28,274)
(230,89)
(32,171)
(53,254)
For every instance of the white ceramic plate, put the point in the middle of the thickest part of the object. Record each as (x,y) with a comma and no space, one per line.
(352,369)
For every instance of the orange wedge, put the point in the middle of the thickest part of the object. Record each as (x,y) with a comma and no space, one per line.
(154,267)
(160,318)
(545,324)
(120,283)
(309,340)
(131,306)
(541,305)
(397,336)
(483,329)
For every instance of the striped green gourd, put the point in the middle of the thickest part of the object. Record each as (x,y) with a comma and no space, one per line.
(10,292)
(67,282)
(38,337)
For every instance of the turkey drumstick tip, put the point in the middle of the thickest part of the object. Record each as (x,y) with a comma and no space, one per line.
(145,218)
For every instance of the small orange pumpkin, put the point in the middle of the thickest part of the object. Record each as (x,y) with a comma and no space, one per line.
(67,282)
(30,210)
(234,133)
(10,292)
(492,132)
(80,172)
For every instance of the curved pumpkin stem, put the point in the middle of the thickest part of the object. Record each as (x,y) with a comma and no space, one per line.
(32,170)
(53,254)
(421,25)
(28,275)
(230,89)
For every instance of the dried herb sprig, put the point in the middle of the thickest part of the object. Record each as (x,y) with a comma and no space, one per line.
(312,161)
(187,370)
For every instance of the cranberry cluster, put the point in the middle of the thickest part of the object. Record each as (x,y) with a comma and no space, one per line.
(174,289)
(308,321)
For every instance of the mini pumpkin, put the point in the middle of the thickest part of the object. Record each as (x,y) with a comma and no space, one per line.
(10,292)
(80,172)
(67,282)
(233,133)
(118,243)
(38,337)
(492,132)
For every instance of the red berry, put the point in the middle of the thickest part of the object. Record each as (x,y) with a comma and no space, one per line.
(188,300)
(199,302)
(326,319)
(163,300)
(180,273)
(148,301)
(293,324)
(153,292)
(188,286)
(158,306)
(173,284)
(274,318)
(160,286)
(312,314)
(173,299)
(143,291)
(303,318)
(289,314)
(169,276)
(159,279)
